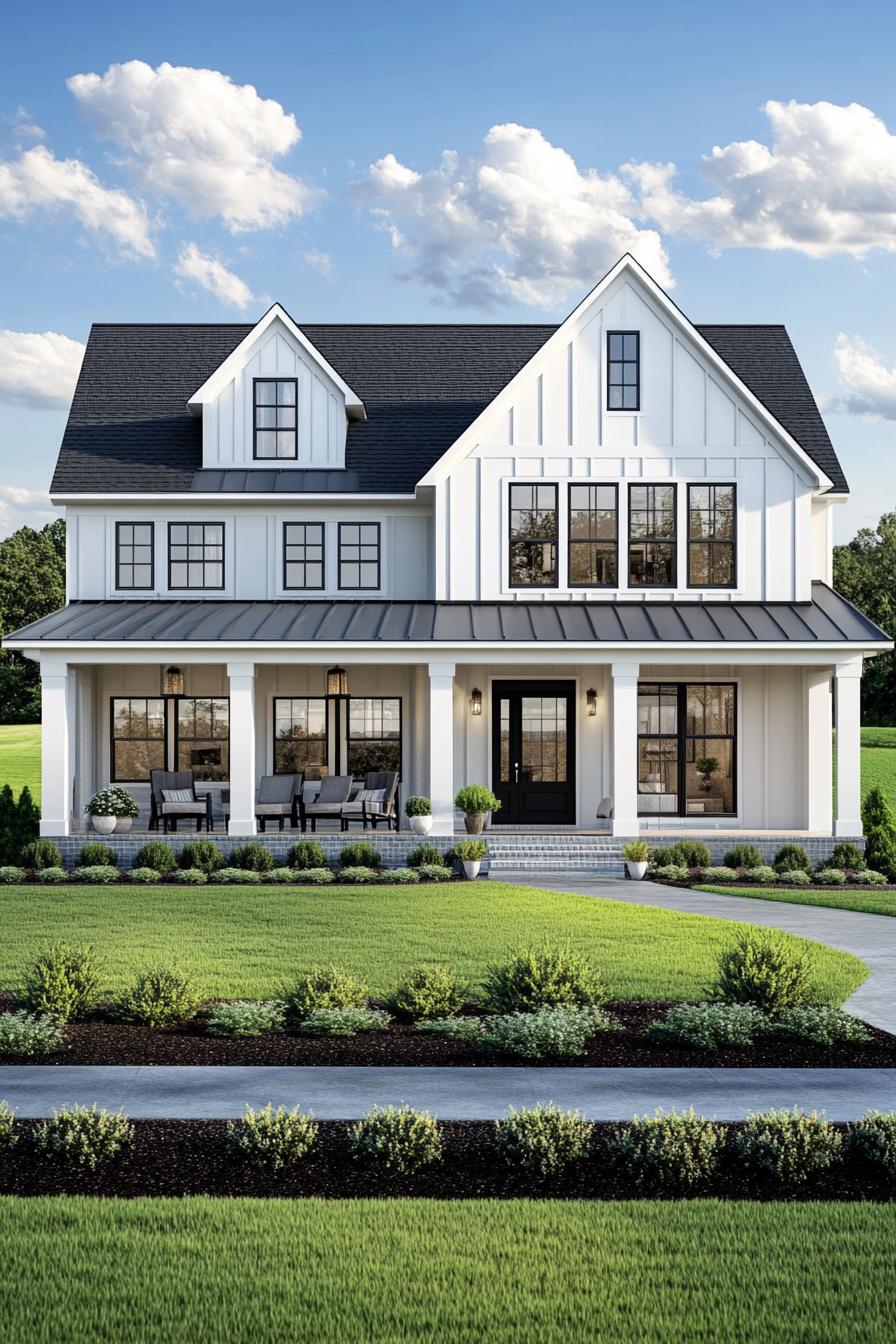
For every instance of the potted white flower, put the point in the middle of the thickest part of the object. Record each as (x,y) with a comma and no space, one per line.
(127,808)
(419,813)
(477,804)
(636,854)
(103,811)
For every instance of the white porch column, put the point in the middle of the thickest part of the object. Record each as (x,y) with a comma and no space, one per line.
(819,753)
(55,748)
(242,748)
(625,748)
(848,684)
(441,747)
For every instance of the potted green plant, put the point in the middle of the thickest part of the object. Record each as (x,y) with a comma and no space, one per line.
(471,853)
(706,767)
(636,854)
(127,808)
(102,810)
(419,813)
(476,802)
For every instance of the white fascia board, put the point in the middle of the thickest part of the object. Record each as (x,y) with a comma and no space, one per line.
(241,497)
(627,263)
(213,385)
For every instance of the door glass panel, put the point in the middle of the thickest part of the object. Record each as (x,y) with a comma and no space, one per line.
(709,776)
(544,739)
(505,741)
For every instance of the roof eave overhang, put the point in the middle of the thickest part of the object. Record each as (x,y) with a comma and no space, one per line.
(227,496)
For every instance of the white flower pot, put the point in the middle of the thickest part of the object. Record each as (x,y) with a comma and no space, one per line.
(471,868)
(104,825)
(123,823)
(635,870)
(421,825)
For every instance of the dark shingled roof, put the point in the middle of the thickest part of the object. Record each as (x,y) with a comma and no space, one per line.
(129,430)
(828,618)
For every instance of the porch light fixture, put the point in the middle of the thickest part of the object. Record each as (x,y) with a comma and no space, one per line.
(172,681)
(475,702)
(337,681)
(591,701)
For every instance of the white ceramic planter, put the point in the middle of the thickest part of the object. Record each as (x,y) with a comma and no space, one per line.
(123,823)
(104,825)
(635,870)
(421,825)
(471,868)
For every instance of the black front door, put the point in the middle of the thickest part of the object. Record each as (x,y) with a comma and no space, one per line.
(533,752)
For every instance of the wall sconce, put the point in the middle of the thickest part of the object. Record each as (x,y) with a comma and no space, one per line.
(172,681)
(476,702)
(337,681)
(591,701)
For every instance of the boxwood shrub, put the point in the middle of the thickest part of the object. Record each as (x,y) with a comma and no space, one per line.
(97,875)
(235,877)
(41,854)
(873,1142)
(64,981)
(161,997)
(543,977)
(84,1138)
(787,1147)
(93,855)
(202,854)
(271,1139)
(155,854)
(691,854)
(359,854)
(143,876)
(790,857)
(846,855)
(429,991)
(253,856)
(542,1139)
(428,855)
(762,969)
(189,877)
(434,872)
(323,987)
(306,854)
(398,1139)
(673,1153)
(744,856)
(51,876)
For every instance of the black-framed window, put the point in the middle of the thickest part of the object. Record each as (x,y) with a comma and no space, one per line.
(359,555)
(712,536)
(300,735)
(202,736)
(134,555)
(593,536)
(195,555)
(687,749)
(274,412)
(532,546)
(138,737)
(652,536)
(303,555)
(374,734)
(623,370)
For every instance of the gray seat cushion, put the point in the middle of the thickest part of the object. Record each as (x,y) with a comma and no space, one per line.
(191,809)
(273,809)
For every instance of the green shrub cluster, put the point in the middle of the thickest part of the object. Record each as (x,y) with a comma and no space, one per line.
(709,1026)
(51,877)
(872,1142)
(426,855)
(94,855)
(318,877)
(24,1035)
(397,877)
(791,857)
(429,991)
(98,875)
(82,1137)
(794,877)
(145,877)
(245,1018)
(19,825)
(672,1153)
(847,855)
(155,854)
(543,977)
(763,970)
(360,854)
(202,854)
(306,854)
(831,877)
(543,1139)
(41,854)
(323,987)
(762,873)
(161,997)
(744,856)
(397,1139)
(10,875)
(786,1147)
(271,1139)
(879,827)
(344,1021)
(189,877)
(8,1138)
(62,981)
(235,877)
(356,876)
(546,1033)
(821,1025)
(253,857)
(434,872)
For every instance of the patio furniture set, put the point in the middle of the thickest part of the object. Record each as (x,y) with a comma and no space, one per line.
(280,798)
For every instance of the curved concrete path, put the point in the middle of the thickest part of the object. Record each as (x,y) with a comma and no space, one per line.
(871,937)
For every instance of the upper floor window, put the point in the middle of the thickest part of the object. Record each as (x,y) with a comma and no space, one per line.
(195,555)
(623,370)
(712,558)
(275,433)
(533,536)
(133,555)
(593,536)
(359,555)
(652,537)
(303,555)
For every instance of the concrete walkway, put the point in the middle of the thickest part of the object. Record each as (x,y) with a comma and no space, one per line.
(871,937)
(344,1093)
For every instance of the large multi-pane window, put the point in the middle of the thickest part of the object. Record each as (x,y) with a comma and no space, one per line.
(712,517)
(359,555)
(686,749)
(300,735)
(138,737)
(533,536)
(274,410)
(652,543)
(593,536)
(303,555)
(133,555)
(374,734)
(202,738)
(196,555)
(623,371)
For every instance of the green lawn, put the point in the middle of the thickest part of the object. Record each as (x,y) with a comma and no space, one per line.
(217,1271)
(20,757)
(243,941)
(866,899)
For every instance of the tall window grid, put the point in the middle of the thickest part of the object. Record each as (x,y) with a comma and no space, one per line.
(712,546)
(532,543)
(687,739)
(195,555)
(623,371)
(275,432)
(300,735)
(374,734)
(652,536)
(303,555)
(359,556)
(202,736)
(593,536)
(134,545)
(138,737)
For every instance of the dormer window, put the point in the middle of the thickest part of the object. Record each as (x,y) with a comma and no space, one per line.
(623,370)
(275,433)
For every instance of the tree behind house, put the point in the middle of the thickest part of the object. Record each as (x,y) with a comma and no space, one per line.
(32,584)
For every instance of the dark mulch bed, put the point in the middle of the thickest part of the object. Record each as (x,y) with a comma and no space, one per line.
(188,1157)
(106,1041)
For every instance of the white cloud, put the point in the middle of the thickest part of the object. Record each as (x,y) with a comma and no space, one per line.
(195,136)
(321,262)
(23,124)
(517,220)
(37,181)
(868,385)
(39,368)
(24,508)
(211,273)
(826,184)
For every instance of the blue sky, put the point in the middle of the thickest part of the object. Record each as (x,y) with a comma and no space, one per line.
(140,180)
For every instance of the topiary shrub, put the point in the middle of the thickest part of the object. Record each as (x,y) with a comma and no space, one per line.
(673,1153)
(873,1142)
(691,854)
(398,1139)
(161,997)
(846,855)
(744,856)
(271,1139)
(357,876)
(317,877)
(94,855)
(434,872)
(8,1138)
(797,877)
(189,877)
(359,854)
(790,857)
(786,1147)
(63,981)
(455,1028)
(254,857)
(306,854)
(10,876)
(542,1139)
(429,991)
(709,1026)
(821,1025)
(418,807)
(344,1021)
(830,877)
(24,1035)
(155,854)
(51,876)
(98,875)
(202,854)
(235,877)
(245,1018)
(720,874)
(879,827)
(542,978)
(763,970)
(84,1138)
(550,1032)
(323,987)
(41,854)
(426,855)
(143,876)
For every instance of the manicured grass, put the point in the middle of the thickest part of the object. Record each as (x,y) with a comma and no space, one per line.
(20,757)
(879,737)
(243,1271)
(866,899)
(243,941)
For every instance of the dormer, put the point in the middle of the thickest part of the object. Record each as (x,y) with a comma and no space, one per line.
(275,402)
